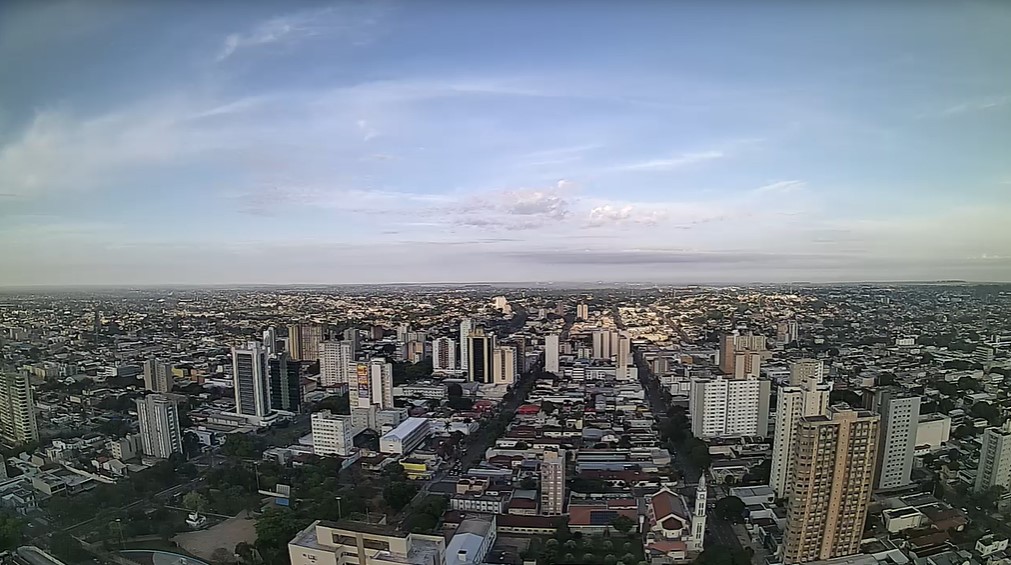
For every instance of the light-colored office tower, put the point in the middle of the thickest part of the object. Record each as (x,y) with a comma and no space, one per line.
(249,378)
(157,376)
(503,365)
(466,326)
(304,340)
(602,344)
(332,434)
(994,459)
(623,357)
(160,435)
(809,397)
(722,407)
(336,359)
(479,350)
(270,341)
(17,409)
(583,312)
(805,369)
(374,384)
(553,483)
(551,352)
(444,354)
(900,413)
(699,515)
(831,484)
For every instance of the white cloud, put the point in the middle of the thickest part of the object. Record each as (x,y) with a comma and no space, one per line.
(781,187)
(610,215)
(976,105)
(676,162)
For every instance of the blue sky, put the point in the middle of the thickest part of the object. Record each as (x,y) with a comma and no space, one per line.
(170,142)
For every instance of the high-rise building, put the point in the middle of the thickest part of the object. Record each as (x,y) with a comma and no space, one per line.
(583,312)
(466,326)
(803,370)
(332,434)
(17,409)
(160,435)
(503,365)
(553,483)
(414,351)
(479,350)
(402,331)
(831,484)
(249,376)
(374,384)
(303,341)
(157,376)
(623,357)
(801,398)
(602,344)
(285,383)
(270,341)
(787,332)
(729,407)
(900,412)
(994,459)
(444,354)
(736,349)
(336,362)
(551,354)
(352,336)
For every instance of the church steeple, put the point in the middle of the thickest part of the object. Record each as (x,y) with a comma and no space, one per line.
(699,516)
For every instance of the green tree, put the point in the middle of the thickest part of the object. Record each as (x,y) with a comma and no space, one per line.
(730,509)
(622,524)
(10,533)
(245,552)
(398,495)
(195,502)
(454,390)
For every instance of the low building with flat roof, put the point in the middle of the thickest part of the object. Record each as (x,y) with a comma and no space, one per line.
(405,437)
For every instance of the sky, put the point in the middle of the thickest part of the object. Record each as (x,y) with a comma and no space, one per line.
(148,143)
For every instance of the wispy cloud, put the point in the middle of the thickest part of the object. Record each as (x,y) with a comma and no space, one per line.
(353,22)
(781,187)
(671,163)
(976,105)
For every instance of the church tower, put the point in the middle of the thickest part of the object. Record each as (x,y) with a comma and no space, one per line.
(699,516)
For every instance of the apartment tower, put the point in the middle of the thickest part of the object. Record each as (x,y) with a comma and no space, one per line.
(160,435)
(831,483)
(806,395)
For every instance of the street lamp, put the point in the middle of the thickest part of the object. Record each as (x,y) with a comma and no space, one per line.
(122,542)
(340,514)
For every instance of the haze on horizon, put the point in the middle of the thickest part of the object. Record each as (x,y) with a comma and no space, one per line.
(343,142)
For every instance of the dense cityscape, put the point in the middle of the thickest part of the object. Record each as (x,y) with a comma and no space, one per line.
(851,425)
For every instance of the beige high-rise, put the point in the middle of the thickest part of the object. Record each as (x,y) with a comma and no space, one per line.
(833,476)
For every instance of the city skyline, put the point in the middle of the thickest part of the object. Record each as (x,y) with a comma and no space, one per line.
(393,142)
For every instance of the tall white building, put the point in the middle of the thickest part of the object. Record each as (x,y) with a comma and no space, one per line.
(994,459)
(332,434)
(806,395)
(270,341)
(466,326)
(729,407)
(17,409)
(602,344)
(444,354)
(336,362)
(157,376)
(553,483)
(374,384)
(582,312)
(551,352)
(503,365)
(160,435)
(250,380)
(623,357)
(699,516)
(900,413)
